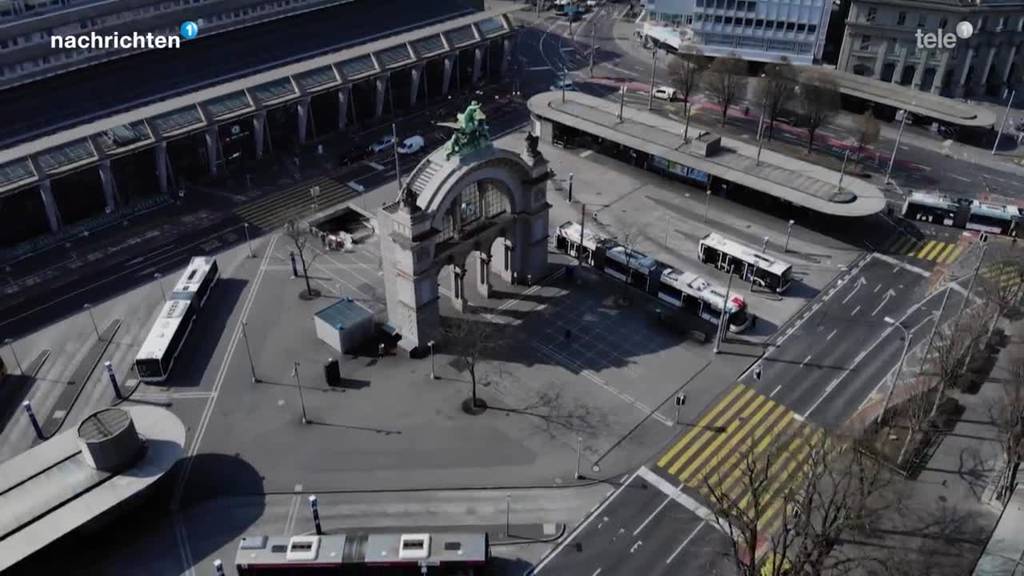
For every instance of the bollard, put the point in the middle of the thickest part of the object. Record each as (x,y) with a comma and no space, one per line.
(32,418)
(316,514)
(113,379)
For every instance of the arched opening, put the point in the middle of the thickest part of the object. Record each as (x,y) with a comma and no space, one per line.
(928,79)
(888,69)
(862,69)
(907,76)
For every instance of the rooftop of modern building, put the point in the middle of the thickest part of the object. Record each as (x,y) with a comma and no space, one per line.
(52,489)
(790,179)
(82,95)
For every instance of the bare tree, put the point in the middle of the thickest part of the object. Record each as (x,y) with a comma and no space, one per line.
(724,81)
(686,70)
(469,339)
(794,524)
(775,90)
(300,235)
(867,133)
(819,100)
(1009,418)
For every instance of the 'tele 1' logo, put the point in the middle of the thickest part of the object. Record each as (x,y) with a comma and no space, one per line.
(189,29)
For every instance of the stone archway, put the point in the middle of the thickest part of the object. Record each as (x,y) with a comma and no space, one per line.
(452,206)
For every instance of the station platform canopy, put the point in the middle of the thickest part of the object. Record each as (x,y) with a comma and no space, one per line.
(789,179)
(939,108)
(46,106)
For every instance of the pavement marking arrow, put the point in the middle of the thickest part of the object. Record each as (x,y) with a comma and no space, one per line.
(860,282)
(888,294)
(635,546)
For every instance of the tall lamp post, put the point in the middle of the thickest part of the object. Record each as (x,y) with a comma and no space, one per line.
(248,352)
(88,308)
(298,384)
(1003,124)
(899,136)
(899,368)
(160,283)
(789,232)
(10,346)
(433,375)
(654,70)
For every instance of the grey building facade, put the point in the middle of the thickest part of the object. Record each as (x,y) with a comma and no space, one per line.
(881,41)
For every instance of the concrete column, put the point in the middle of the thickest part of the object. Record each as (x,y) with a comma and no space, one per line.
(302,107)
(109,185)
(483,280)
(382,92)
(50,204)
(962,81)
(414,88)
(506,56)
(458,288)
(1009,63)
(212,145)
(344,94)
(880,59)
(940,75)
(160,156)
(898,73)
(446,78)
(980,81)
(478,64)
(259,122)
(919,73)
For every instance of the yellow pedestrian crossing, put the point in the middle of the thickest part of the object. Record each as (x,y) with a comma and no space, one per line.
(742,430)
(272,211)
(929,250)
(1008,276)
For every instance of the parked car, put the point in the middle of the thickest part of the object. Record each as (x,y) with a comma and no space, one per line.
(564,84)
(411,145)
(665,93)
(382,144)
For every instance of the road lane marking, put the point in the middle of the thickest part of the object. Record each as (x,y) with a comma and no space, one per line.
(898,264)
(596,572)
(636,546)
(832,333)
(860,282)
(961,178)
(888,294)
(744,419)
(802,364)
(777,388)
(579,527)
(661,484)
(855,310)
(701,435)
(685,542)
(701,425)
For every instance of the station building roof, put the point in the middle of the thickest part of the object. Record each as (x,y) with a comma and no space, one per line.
(52,489)
(795,181)
(91,92)
(946,110)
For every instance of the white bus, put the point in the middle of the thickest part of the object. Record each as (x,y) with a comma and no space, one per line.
(156,357)
(698,296)
(744,261)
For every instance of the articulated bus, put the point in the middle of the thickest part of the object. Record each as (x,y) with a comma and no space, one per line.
(683,290)
(744,261)
(963,213)
(177,315)
(372,554)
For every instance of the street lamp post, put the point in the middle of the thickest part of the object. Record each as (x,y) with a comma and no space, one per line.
(723,317)
(88,308)
(707,202)
(508,514)
(899,135)
(298,384)
(842,172)
(1003,124)
(789,232)
(622,100)
(579,456)
(10,346)
(654,70)
(899,368)
(570,187)
(430,345)
(248,241)
(248,353)
(160,284)
(764,245)
(593,45)
(394,149)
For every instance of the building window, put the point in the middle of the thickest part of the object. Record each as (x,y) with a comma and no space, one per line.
(1002,23)
(870,16)
(718,19)
(801,28)
(751,6)
(943,22)
(901,18)
(812,28)
(748,22)
(728,20)
(922,21)
(730,4)
(700,3)
(741,5)
(865,42)
(758,24)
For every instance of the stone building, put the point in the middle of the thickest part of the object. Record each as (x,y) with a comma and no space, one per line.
(888,40)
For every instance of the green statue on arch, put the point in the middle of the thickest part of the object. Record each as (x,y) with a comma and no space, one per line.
(471,132)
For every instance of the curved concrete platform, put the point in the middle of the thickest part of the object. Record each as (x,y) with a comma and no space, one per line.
(51,489)
(786,178)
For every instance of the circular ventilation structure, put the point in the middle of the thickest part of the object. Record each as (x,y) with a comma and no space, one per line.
(108,439)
